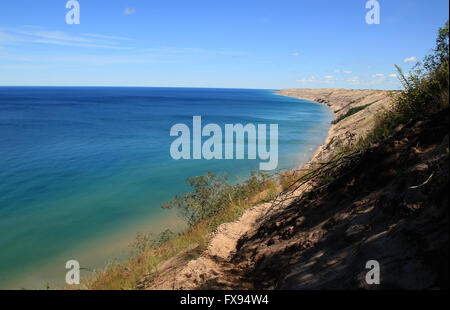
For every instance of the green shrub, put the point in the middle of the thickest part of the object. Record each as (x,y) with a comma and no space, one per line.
(426,92)
(426,86)
(213,194)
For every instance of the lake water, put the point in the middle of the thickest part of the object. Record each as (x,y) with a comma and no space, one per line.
(82,170)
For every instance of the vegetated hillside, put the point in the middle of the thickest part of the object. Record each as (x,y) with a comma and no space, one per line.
(382,196)
(389,205)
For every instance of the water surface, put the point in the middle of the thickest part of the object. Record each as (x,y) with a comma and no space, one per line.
(82,170)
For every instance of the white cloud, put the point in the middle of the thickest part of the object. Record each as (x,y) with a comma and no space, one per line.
(15,58)
(100,36)
(379,75)
(307,80)
(393,75)
(354,80)
(52,37)
(343,71)
(296,54)
(411,59)
(328,79)
(129,11)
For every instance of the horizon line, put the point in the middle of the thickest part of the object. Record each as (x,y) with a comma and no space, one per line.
(198,87)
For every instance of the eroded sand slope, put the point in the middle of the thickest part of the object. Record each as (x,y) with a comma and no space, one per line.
(373,213)
(340,101)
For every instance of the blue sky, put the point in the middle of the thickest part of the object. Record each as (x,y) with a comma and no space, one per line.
(232,43)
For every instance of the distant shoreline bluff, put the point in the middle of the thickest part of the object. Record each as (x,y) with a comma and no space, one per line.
(341,101)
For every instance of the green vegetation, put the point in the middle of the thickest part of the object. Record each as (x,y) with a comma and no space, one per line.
(350,112)
(213,194)
(426,93)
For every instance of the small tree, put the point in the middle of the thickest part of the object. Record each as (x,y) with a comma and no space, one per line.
(208,197)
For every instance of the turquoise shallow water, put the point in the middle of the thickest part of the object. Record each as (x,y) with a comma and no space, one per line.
(82,170)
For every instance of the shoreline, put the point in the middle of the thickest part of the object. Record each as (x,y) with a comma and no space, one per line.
(224,241)
(340,102)
(117,244)
(329,132)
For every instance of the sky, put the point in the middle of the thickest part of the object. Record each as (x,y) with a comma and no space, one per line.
(229,44)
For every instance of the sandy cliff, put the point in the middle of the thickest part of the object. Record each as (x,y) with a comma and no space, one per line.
(324,240)
(340,101)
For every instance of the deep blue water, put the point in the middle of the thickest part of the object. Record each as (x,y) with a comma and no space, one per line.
(77,164)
